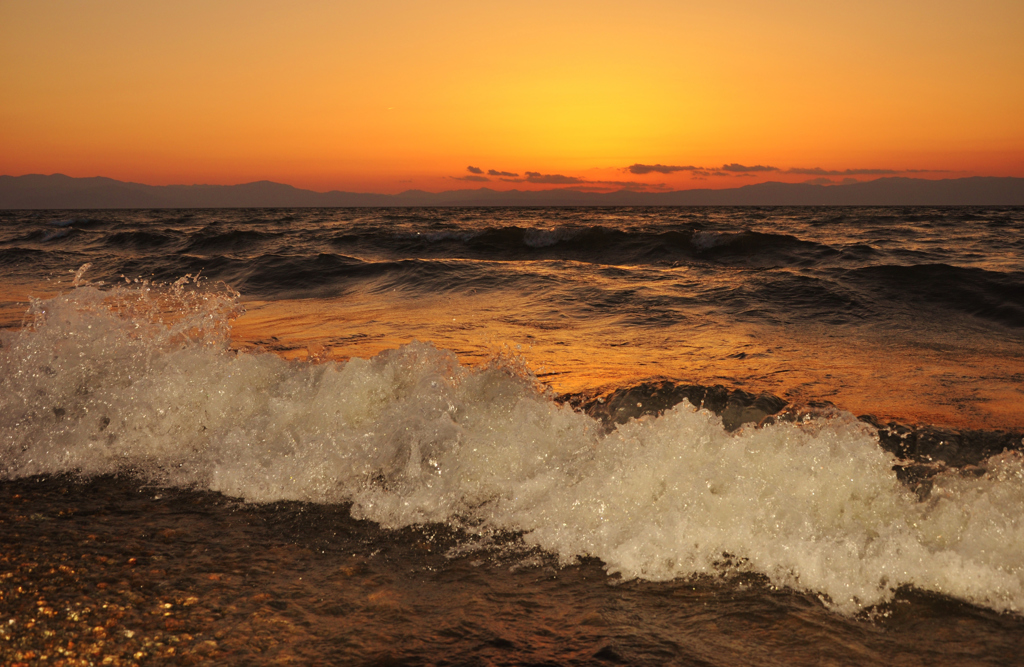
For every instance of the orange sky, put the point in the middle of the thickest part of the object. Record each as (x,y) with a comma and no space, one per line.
(386,96)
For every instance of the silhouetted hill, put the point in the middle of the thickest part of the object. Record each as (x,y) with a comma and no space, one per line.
(57,191)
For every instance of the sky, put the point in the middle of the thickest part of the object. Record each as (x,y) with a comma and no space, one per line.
(393,95)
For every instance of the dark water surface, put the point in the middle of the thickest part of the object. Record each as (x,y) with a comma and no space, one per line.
(142,574)
(908,313)
(264,465)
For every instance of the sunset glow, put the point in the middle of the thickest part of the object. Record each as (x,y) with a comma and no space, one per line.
(390,96)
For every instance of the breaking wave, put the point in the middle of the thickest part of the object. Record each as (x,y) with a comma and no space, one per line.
(139,378)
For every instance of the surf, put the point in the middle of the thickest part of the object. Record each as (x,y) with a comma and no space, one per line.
(139,378)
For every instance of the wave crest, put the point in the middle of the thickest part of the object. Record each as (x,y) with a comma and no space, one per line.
(139,378)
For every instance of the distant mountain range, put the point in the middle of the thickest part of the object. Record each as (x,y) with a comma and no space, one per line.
(57,191)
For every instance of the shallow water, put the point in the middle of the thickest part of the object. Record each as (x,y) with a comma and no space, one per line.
(112,568)
(298,479)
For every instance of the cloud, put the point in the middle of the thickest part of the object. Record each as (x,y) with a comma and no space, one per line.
(573,182)
(630,184)
(552,179)
(739,168)
(605,186)
(736,169)
(586,188)
(818,171)
(476,174)
(726,169)
(658,168)
(828,181)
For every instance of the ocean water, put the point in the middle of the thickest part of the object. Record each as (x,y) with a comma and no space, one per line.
(716,436)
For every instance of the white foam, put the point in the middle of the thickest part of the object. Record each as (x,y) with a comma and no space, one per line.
(703,240)
(140,378)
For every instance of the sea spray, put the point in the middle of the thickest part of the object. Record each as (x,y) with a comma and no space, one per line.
(140,378)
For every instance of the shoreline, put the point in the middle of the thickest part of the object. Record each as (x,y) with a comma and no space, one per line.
(112,571)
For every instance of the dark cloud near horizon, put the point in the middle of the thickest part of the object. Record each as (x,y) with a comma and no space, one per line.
(582,183)
(736,169)
(471,177)
(604,186)
(573,182)
(828,181)
(474,170)
(552,179)
(630,185)
(658,168)
(818,171)
(741,168)
(725,170)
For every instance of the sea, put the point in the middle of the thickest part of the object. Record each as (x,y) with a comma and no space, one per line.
(512,436)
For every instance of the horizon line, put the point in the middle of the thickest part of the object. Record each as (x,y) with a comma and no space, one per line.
(485,188)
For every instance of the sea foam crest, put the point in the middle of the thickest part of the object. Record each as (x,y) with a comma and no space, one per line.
(141,378)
